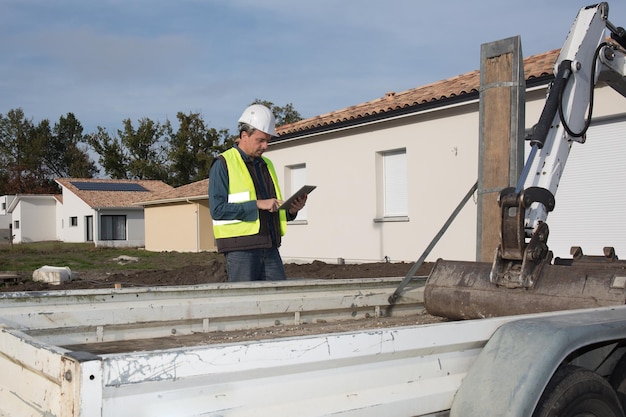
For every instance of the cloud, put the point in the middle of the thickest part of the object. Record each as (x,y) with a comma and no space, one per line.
(90,57)
(113,59)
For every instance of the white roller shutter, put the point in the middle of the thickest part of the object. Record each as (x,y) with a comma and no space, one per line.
(591,199)
(395,183)
(298,179)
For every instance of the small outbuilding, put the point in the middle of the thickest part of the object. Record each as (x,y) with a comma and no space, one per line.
(32,217)
(179,219)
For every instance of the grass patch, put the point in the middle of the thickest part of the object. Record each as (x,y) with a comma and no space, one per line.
(26,257)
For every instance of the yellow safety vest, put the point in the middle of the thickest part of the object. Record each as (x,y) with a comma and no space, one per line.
(241,189)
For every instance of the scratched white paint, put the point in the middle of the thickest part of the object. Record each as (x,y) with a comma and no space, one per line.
(381,370)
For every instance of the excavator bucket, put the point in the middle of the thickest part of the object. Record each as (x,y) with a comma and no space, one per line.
(464,290)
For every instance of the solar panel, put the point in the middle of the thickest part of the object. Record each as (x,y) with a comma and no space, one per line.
(107,186)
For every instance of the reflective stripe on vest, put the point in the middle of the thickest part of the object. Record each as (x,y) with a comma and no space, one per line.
(241,189)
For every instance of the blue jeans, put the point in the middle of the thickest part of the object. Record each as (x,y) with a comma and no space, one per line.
(255,265)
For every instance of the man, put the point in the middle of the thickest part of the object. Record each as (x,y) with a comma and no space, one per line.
(244,197)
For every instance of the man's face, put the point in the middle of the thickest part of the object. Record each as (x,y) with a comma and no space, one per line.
(255,144)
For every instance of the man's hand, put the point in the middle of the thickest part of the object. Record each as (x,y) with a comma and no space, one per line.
(270,205)
(297,204)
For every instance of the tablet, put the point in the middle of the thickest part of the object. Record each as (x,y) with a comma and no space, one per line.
(306,189)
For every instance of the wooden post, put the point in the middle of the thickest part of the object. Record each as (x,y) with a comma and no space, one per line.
(501,139)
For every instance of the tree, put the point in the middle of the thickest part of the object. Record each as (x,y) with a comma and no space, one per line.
(64,157)
(21,149)
(193,148)
(14,131)
(146,148)
(112,156)
(136,153)
(32,156)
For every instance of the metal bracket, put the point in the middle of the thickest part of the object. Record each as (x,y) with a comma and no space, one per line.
(517,263)
(515,274)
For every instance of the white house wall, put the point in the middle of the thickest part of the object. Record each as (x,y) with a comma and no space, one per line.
(74,207)
(36,216)
(342,210)
(5,218)
(5,202)
(442,164)
(58,220)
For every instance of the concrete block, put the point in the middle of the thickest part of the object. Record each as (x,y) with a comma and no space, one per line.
(53,274)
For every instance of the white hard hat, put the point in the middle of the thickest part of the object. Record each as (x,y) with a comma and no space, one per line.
(259,117)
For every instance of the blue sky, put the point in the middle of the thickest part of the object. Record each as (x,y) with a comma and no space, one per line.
(109,60)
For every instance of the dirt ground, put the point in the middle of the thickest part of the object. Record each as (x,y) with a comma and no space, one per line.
(213,271)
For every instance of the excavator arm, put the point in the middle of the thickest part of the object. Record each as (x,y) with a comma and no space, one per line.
(523,277)
(585,59)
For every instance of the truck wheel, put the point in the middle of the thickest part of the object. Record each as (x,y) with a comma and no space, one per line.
(575,391)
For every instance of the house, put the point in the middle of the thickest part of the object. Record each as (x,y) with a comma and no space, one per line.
(5,218)
(32,217)
(389,172)
(103,211)
(179,219)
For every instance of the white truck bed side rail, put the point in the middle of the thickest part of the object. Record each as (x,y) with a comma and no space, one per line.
(393,372)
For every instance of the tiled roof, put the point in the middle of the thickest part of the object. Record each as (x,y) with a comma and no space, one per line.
(534,67)
(110,199)
(195,191)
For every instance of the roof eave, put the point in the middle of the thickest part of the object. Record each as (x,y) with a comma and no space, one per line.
(133,208)
(171,200)
(415,108)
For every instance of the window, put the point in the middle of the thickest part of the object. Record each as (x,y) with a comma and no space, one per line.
(16,224)
(113,227)
(296,178)
(394,183)
(73,221)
